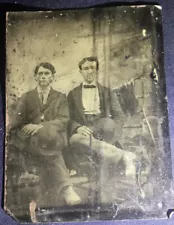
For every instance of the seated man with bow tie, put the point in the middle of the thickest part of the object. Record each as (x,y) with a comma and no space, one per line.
(38,129)
(96,119)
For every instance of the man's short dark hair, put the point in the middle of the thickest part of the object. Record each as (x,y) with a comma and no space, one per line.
(89,59)
(45,65)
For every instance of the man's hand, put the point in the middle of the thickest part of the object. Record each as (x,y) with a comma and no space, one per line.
(86,131)
(31,129)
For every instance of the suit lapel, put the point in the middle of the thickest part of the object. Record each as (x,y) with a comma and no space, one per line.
(35,101)
(78,101)
(51,96)
(34,106)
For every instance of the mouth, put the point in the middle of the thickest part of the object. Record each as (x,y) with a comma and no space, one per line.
(43,82)
(91,76)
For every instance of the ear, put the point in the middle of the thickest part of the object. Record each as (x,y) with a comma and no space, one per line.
(35,76)
(53,76)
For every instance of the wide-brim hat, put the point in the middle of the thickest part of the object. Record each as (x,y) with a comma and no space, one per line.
(106,129)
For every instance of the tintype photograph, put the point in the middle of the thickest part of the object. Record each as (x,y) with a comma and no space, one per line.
(87,133)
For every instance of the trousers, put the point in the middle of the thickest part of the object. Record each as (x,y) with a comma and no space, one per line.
(42,156)
(104,145)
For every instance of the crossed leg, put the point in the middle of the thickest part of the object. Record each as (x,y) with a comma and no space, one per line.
(107,151)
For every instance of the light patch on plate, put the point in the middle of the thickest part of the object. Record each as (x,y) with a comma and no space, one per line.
(158,6)
(144,32)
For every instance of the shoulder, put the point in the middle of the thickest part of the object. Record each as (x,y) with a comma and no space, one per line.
(53,91)
(28,94)
(77,88)
(58,95)
(74,90)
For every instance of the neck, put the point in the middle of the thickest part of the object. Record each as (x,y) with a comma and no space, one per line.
(93,82)
(44,88)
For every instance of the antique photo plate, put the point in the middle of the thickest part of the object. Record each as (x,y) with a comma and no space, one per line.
(87,134)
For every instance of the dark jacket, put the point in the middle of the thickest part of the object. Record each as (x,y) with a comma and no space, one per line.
(29,111)
(109,106)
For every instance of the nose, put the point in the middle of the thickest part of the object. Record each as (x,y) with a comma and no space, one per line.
(90,71)
(43,77)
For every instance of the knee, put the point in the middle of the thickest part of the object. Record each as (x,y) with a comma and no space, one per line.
(129,157)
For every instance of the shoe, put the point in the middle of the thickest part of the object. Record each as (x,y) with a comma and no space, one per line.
(71,197)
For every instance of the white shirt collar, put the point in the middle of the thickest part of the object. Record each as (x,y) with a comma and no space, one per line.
(47,90)
(93,83)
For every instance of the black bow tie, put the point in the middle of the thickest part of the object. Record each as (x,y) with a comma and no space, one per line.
(89,86)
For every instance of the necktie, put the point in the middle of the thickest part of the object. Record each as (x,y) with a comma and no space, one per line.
(42,97)
(89,86)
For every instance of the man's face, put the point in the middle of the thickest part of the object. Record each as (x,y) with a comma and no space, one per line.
(44,77)
(89,71)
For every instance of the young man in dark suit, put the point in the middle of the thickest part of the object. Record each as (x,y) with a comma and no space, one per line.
(37,129)
(96,118)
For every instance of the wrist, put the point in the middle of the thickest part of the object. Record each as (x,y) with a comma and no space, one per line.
(76,130)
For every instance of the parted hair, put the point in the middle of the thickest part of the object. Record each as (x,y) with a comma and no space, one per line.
(46,65)
(89,59)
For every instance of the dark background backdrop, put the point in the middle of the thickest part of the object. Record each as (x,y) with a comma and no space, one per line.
(168,27)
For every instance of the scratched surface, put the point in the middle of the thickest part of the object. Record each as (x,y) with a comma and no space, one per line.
(128,44)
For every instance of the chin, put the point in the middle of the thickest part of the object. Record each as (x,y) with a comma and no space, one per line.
(90,81)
